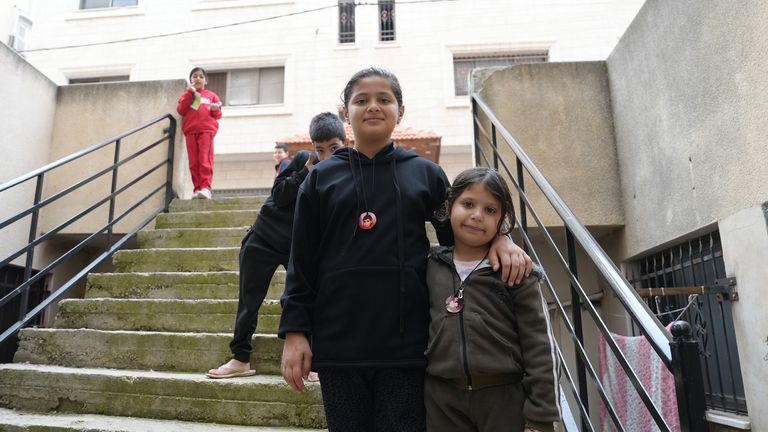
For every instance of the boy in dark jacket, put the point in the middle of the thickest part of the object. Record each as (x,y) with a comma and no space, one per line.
(267,243)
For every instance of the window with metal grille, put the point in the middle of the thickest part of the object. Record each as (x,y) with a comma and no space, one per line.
(463,65)
(98,79)
(253,86)
(346,21)
(386,20)
(690,268)
(103,4)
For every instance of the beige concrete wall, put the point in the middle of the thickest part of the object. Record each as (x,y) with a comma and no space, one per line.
(26,119)
(88,114)
(560,114)
(745,249)
(690,104)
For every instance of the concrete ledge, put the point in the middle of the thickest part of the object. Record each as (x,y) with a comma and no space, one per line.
(174,285)
(206,219)
(179,352)
(258,401)
(192,237)
(165,315)
(176,260)
(17,421)
(217,204)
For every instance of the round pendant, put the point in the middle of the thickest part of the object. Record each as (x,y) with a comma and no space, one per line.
(367,220)
(453,304)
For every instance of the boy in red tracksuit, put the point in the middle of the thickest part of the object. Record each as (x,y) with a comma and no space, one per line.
(201,110)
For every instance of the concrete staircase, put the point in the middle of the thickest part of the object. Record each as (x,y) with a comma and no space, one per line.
(131,356)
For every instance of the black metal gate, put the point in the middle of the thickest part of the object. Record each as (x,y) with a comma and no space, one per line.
(687,281)
(11,277)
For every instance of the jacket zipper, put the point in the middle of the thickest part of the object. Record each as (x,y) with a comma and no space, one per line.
(464,351)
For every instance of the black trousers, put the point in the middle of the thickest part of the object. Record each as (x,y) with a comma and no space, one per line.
(258,262)
(373,399)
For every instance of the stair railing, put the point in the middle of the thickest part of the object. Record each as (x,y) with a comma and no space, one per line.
(38,176)
(681,355)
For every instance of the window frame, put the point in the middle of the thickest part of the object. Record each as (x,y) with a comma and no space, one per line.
(387,33)
(81,5)
(508,57)
(347,30)
(225,95)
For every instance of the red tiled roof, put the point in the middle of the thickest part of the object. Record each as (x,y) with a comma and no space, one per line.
(400,133)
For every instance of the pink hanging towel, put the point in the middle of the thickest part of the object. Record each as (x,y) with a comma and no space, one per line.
(655,377)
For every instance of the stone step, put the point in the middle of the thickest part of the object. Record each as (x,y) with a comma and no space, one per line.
(19,421)
(176,352)
(176,260)
(206,316)
(174,285)
(218,204)
(206,219)
(191,237)
(253,401)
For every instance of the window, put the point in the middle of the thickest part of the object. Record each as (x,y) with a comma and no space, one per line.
(463,64)
(103,4)
(346,21)
(386,20)
(255,86)
(98,79)
(19,38)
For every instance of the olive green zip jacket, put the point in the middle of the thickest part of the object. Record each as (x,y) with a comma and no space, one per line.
(500,331)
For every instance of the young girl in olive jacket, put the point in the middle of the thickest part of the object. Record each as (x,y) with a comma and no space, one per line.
(491,361)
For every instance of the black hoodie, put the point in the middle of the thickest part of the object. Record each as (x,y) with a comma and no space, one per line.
(275,220)
(360,295)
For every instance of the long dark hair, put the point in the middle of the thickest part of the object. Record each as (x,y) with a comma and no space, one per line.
(495,185)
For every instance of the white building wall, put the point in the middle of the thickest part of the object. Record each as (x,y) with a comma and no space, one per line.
(316,65)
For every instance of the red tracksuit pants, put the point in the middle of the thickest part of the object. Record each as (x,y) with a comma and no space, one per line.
(200,152)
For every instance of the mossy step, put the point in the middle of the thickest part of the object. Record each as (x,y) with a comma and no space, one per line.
(176,260)
(191,237)
(179,352)
(174,285)
(253,401)
(207,316)
(206,219)
(18,421)
(218,204)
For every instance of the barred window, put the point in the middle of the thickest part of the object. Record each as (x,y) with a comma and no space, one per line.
(253,86)
(386,20)
(463,65)
(102,79)
(346,21)
(103,4)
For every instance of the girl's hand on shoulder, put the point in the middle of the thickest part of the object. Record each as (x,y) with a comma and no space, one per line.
(515,264)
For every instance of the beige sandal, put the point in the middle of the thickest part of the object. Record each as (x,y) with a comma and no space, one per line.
(225,371)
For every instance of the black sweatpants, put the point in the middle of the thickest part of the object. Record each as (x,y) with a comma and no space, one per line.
(373,399)
(258,262)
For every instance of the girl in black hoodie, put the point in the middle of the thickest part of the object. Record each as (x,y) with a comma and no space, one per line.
(355,285)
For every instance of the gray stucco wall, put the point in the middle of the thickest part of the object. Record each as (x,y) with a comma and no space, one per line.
(690,103)
(88,114)
(26,121)
(560,114)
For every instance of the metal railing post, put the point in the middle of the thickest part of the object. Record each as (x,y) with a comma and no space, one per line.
(169,170)
(689,386)
(112,192)
(581,371)
(523,212)
(475,132)
(31,252)
(495,147)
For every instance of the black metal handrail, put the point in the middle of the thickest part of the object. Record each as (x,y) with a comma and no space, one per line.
(691,415)
(168,136)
